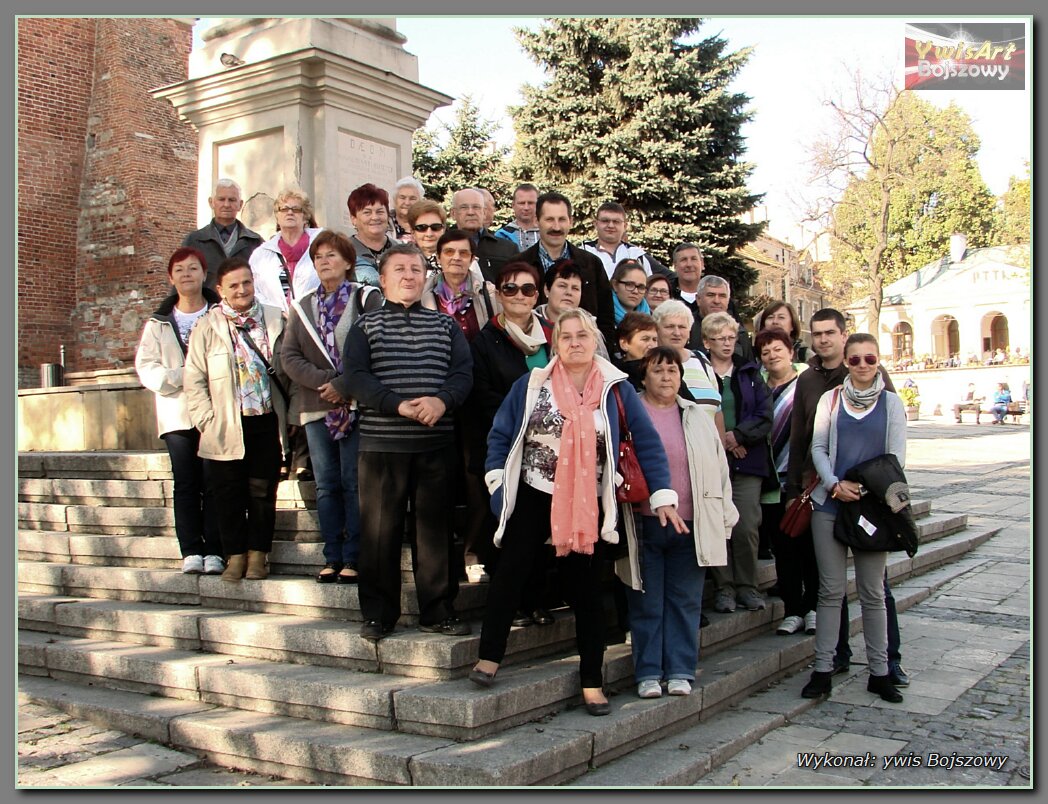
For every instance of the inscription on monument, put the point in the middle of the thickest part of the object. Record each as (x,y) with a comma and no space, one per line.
(361,160)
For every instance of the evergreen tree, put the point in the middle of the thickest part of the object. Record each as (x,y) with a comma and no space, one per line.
(468,158)
(631,113)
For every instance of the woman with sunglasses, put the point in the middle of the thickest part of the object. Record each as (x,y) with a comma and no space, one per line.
(458,289)
(629,281)
(510,345)
(427,222)
(281,267)
(859,421)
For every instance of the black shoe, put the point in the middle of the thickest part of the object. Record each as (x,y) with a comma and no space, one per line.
(542,617)
(304,476)
(522,619)
(480,678)
(348,574)
(374,630)
(897,675)
(703,621)
(599,709)
(329,577)
(840,667)
(882,685)
(818,685)
(452,626)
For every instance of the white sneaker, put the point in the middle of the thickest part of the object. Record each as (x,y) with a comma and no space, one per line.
(809,622)
(790,625)
(192,565)
(678,686)
(649,689)
(475,573)
(213,565)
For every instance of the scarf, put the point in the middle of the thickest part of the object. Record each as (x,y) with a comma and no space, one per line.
(528,344)
(573,512)
(863,399)
(330,307)
(453,302)
(252,381)
(620,311)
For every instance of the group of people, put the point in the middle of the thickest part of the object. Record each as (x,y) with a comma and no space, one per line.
(487,385)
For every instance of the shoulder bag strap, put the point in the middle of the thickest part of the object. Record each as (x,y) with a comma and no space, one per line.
(312,332)
(269,369)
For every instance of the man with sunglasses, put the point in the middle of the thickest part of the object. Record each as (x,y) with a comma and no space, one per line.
(827,371)
(491,253)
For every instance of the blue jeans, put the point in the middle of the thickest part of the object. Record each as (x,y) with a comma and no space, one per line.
(196,518)
(999,411)
(338,501)
(664,618)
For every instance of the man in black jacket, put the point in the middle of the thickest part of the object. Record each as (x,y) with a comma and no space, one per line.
(826,371)
(554,219)
(491,253)
(225,236)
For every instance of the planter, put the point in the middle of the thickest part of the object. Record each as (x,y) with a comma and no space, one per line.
(912,414)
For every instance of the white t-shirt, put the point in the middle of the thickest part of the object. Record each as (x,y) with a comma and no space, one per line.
(185,322)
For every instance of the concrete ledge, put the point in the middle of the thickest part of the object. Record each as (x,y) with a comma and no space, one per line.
(134,622)
(119,583)
(43,545)
(81,491)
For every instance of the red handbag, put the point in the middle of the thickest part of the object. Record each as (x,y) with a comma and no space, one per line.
(634,488)
(797,518)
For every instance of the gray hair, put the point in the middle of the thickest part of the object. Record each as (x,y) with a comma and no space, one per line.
(401,248)
(673,308)
(715,322)
(715,281)
(410,181)
(224,182)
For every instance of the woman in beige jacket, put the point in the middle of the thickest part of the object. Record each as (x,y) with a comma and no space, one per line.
(240,410)
(159,361)
(665,570)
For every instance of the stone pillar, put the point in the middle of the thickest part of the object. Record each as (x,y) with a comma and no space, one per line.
(324,104)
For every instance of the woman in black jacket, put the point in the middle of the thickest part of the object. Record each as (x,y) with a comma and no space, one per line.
(510,345)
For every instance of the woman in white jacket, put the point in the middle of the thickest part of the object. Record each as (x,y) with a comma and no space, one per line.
(665,569)
(281,267)
(159,361)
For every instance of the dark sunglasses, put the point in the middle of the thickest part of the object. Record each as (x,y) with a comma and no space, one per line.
(428,227)
(510,289)
(854,360)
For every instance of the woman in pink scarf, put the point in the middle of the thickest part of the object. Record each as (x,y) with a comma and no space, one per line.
(551,463)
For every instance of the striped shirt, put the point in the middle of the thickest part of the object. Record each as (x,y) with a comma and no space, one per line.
(396,354)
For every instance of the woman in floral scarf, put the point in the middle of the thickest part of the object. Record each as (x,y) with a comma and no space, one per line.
(311,357)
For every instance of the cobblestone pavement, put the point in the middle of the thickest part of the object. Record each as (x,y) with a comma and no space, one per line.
(966,648)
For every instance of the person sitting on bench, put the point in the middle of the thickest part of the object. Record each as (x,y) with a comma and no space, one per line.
(970,402)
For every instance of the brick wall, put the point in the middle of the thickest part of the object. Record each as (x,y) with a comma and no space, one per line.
(107,184)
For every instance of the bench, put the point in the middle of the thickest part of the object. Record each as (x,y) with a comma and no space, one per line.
(1016,410)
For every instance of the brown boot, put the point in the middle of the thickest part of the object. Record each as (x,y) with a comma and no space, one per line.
(257,568)
(235,567)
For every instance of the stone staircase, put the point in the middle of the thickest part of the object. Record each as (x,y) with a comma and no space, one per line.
(271,676)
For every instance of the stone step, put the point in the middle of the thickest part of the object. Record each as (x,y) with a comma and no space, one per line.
(103,465)
(631,747)
(136,493)
(276,595)
(454,709)
(282,638)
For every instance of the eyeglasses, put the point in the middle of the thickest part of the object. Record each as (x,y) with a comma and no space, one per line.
(429,227)
(725,339)
(635,287)
(871,360)
(290,209)
(510,289)
(658,291)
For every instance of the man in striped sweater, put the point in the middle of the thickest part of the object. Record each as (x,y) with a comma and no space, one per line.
(408,368)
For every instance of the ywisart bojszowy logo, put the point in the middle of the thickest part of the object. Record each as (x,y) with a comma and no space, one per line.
(968,55)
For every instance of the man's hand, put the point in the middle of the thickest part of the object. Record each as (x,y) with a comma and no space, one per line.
(429,410)
(729,441)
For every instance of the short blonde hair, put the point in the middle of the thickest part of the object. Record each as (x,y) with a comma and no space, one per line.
(421,207)
(673,308)
(715,322)
(589,323)
(287,194)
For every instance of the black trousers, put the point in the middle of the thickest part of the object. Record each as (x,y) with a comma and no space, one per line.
(579,576)
(245,491)
(387,482)
(196,521)
(795,565)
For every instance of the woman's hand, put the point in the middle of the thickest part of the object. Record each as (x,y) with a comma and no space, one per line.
(329,394)
(668,515)
(847,491)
